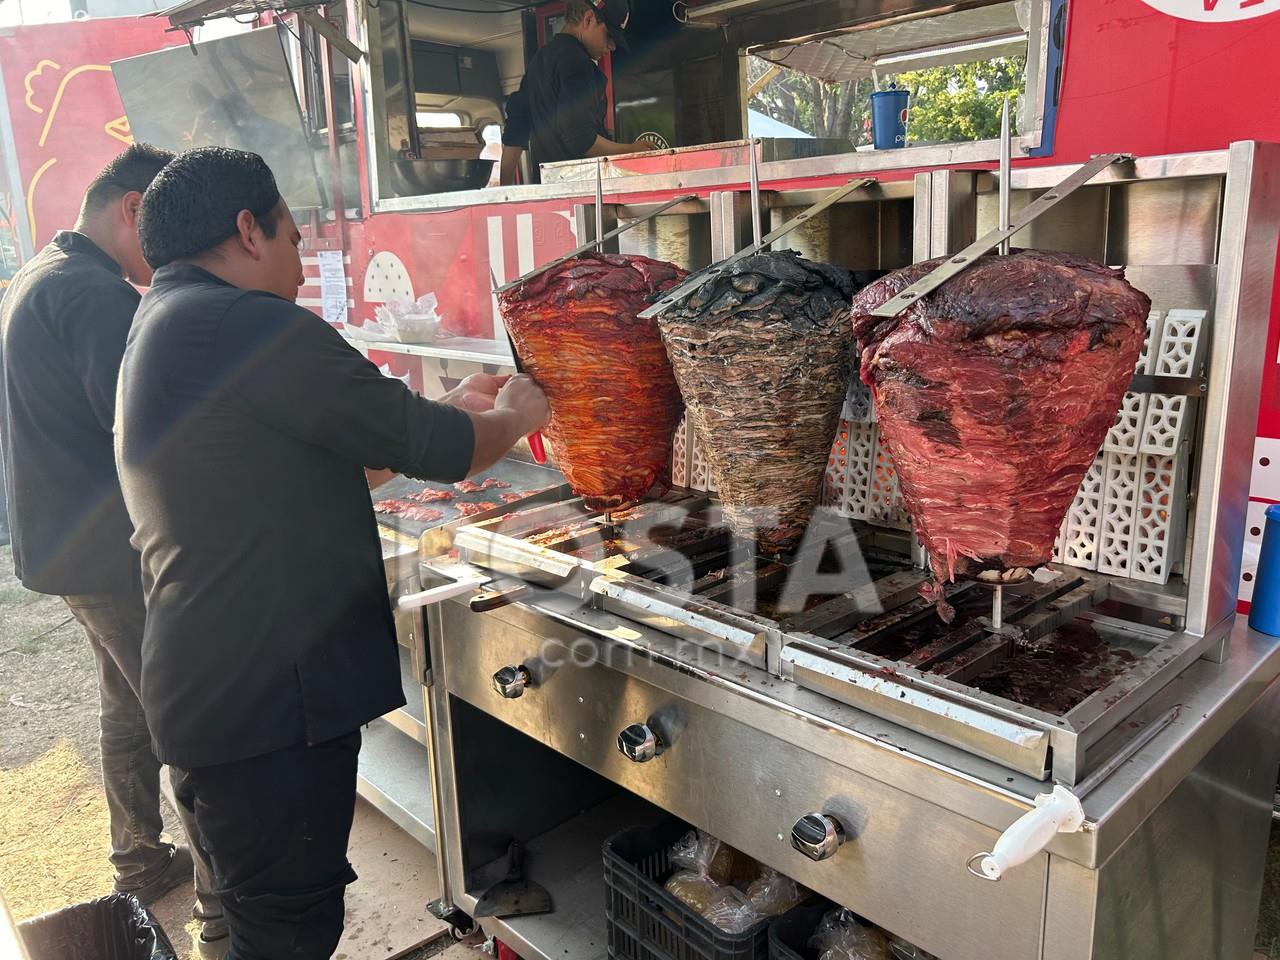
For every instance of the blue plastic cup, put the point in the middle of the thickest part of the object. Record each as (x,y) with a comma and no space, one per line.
(889,118)
(1264,614)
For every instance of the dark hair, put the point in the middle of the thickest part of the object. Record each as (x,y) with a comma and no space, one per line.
(130,172)
(191,207)
(575,10)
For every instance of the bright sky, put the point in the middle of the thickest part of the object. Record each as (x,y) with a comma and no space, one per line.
(14,12)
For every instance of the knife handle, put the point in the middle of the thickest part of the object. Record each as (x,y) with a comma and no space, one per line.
(536,447)
(489,600)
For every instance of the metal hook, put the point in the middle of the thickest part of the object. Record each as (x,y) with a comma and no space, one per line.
(978,873)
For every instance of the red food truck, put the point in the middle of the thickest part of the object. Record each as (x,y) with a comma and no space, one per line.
(383,121)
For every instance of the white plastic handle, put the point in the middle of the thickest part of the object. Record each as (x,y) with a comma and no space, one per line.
(413,601)
(1054,813)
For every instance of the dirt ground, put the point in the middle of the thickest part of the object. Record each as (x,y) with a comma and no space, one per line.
(53,821)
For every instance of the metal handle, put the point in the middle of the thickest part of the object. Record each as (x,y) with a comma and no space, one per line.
(425,598)
(1054,813)
(510,682)
(817,836)
(639,744)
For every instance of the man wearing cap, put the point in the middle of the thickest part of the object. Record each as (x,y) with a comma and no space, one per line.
(559,111)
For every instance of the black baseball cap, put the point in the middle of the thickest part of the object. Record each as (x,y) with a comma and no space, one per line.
(615,14)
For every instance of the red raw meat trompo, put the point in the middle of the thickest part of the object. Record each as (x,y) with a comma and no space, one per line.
(994,394)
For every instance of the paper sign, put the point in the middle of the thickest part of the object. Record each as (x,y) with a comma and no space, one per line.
(333,285)
(335,309)
(331,265)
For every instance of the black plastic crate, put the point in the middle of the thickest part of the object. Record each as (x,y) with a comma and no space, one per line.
(789,934)
(647,923)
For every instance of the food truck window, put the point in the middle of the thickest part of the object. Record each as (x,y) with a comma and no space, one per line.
(436,87)
(340,67)
(435,118)
(309,69)
(957,67)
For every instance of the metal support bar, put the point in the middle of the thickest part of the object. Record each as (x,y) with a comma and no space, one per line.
(591,244)
(336,38)
(702,276)
(599,206)
(965,258)
(1178,386)
(1006,158)
(755,194)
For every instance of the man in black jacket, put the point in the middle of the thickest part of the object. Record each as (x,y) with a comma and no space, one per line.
(244,429)
(64,320)
(559,111)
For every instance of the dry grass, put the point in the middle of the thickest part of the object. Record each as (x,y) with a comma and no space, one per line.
(53,833)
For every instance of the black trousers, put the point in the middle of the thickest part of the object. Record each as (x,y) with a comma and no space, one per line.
(276,829)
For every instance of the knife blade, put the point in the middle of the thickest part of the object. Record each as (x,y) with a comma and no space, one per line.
(534,439)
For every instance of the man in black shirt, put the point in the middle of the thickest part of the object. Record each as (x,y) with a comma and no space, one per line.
(64,321)
(559,111)
(243,431)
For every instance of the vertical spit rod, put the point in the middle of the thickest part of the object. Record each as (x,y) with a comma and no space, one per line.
(755,195)
(997,607)
(1005,161)
(599,206)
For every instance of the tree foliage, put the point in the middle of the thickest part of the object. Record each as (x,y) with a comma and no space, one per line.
(820,109)
(948,104)
(962,102)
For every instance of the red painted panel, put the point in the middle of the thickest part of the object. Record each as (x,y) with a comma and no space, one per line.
(1269,406)
(1147,83)
(447,253)
(66,114)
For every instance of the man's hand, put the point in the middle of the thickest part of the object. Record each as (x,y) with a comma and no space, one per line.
(523,396)
(520,409)
(477,393)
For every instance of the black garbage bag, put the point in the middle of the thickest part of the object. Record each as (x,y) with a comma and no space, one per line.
(117,927)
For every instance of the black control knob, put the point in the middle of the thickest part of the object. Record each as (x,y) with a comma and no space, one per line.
(639,744)
(510,682)
(817,836)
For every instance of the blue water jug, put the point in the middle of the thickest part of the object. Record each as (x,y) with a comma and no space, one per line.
(1264,614)
(889,118)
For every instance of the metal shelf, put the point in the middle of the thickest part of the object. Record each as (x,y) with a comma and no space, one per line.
(395,776)
(567,861)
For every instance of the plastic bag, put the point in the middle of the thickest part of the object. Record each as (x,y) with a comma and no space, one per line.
(702,853)
(727,907)
(772,894)
(732,912)
(694,852)
(841,936)
(109,928)
(416,322)
(694,890)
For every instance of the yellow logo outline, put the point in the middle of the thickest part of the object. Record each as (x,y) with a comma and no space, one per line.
(26,82)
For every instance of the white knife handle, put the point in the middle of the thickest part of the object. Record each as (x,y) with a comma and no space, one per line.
(414,601)
(1054,813)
